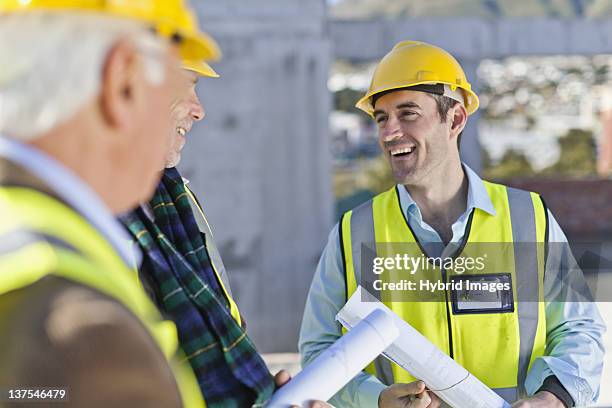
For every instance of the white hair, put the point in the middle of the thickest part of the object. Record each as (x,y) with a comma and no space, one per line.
(51,64)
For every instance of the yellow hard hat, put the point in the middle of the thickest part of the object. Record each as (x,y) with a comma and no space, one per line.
(412,63)
(171,18)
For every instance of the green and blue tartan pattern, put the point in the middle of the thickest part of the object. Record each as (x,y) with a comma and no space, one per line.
(228,368)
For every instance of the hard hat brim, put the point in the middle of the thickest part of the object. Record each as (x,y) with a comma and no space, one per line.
(200,68)
(365,103)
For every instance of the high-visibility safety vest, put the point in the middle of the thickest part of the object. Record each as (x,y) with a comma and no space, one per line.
(62,243)
(497,347)
(213,254)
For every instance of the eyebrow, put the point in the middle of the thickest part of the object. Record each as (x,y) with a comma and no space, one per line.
(400,106)
(408,105)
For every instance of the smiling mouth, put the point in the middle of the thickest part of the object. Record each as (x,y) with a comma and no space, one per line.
(402,152)
(181,131)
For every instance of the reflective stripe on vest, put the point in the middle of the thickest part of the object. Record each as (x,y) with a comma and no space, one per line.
(213,255)
(521,217)
(40,236)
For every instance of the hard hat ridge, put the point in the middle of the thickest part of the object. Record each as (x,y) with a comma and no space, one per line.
(168,17)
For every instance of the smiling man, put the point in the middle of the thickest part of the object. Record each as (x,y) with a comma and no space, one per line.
(183,273)
(532,351)
(184,112)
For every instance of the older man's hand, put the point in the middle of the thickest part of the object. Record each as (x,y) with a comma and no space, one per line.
(542,399)
(283,377)
(412,395)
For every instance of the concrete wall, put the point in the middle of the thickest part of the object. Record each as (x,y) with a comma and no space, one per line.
(260,161)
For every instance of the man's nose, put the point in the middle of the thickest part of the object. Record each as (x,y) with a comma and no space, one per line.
(391,131)
(197,110)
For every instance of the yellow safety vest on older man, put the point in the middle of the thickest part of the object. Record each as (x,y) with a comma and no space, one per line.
(213,254)
(57,241)
(497,346)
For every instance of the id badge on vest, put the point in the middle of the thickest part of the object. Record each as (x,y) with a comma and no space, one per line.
(477,294)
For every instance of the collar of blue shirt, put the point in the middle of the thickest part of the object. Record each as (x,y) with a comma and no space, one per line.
(477,198)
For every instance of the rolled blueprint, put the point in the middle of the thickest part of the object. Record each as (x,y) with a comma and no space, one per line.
(421,358)
(337,365)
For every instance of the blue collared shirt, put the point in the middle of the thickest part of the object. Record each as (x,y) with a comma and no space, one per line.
(574,352)
(76,193)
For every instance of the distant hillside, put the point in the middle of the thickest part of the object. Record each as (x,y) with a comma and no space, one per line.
(365,9)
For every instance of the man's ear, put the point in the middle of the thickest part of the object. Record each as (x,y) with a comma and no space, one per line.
(120,84)
(458,119)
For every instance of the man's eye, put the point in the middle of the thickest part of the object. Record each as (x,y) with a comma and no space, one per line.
(407,114)
(380,119)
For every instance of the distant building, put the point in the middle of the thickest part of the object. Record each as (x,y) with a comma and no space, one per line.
(604,157)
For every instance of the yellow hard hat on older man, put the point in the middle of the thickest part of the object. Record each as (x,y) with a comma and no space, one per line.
(423,67)
(171,18)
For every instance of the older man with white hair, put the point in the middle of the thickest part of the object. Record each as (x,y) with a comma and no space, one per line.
(182,272)
(85,89)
